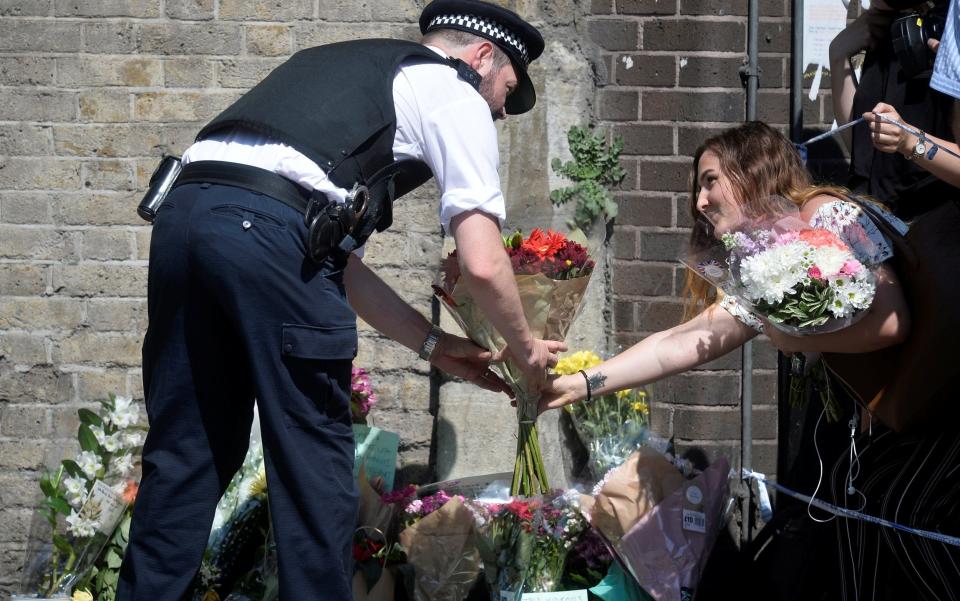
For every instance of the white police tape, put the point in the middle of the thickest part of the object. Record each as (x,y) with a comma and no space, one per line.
(840,511)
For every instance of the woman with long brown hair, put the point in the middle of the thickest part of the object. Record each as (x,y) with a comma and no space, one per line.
(735,174)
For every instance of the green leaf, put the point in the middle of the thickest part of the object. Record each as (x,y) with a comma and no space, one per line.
(61,543)
(47,487)
(88,442)
(113,560)
(89,418)
(58,505)
(70,466)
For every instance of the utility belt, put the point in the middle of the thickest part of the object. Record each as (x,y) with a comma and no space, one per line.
(331,226)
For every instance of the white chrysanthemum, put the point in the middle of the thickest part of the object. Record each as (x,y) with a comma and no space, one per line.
(81,526)
(771,274)
(125,412)
(89,463)
(851,295)
(830,259)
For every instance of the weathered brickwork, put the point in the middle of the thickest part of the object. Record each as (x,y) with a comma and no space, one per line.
(92,92)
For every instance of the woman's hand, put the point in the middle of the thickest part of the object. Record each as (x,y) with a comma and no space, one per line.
(863,34)
(785,343)
(886,136)
(562,390)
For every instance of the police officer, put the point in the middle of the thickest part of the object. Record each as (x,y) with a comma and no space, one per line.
(256,279)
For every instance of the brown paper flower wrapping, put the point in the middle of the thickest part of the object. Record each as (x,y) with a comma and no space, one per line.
(442,549)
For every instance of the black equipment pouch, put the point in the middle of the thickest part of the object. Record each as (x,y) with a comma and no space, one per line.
(330,225)
(161,182)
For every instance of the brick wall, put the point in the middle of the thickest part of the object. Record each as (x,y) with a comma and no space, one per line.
(93,92)
(670,81)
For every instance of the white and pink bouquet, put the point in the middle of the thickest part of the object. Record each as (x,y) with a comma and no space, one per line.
(801,279)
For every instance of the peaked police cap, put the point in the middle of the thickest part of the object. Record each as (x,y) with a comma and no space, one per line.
(505,28)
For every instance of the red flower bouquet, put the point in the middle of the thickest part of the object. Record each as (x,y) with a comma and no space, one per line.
(552,273)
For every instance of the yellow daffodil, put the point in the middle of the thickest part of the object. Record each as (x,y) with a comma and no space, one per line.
(81,595)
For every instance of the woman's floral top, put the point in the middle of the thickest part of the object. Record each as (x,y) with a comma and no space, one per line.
(848,221)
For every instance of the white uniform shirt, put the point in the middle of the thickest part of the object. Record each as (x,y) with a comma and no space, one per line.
(441,120)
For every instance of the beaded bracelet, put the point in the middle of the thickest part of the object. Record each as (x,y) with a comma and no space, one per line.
(587,379)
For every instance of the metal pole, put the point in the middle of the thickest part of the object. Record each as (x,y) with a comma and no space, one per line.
(796,73)
(746,351)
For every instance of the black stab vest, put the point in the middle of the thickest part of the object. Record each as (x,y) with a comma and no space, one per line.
(334,104)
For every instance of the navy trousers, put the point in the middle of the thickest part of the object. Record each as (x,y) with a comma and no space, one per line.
(237,313)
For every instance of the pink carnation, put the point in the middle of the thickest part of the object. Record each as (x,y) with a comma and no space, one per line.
(851,267)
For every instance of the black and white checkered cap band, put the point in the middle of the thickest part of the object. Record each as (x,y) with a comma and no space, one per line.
(485,27)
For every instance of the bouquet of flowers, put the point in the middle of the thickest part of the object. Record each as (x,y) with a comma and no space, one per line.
(802,279)
(524,543)
(659,524)
(611,426)
(239,557)
(552,273)
(362,397)
(87,503)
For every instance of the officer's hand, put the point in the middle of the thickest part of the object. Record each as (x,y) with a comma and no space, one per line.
(462,358)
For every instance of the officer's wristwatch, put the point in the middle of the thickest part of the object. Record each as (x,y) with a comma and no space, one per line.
(919,149)
(426,349)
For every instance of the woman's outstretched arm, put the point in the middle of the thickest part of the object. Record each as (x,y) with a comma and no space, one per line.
(709,335)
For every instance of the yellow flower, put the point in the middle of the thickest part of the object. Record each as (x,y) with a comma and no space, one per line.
(259,486)
(571,364)
(641,407)
(81,595)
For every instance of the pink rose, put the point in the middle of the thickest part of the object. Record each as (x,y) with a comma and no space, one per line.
(814,272)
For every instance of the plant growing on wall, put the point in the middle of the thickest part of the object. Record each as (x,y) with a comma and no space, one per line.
(594,169)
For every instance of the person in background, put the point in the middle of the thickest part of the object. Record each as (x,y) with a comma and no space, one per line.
(904,186)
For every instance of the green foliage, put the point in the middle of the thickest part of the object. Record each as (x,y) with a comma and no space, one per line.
(595,169)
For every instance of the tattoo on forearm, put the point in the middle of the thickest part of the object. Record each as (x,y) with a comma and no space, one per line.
(596,381)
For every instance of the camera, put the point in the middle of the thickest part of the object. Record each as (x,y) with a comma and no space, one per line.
(909,35)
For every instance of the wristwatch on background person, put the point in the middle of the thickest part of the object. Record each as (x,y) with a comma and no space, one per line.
(919,149)
(426,349)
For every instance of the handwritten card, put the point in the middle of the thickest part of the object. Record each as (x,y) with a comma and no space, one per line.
(376,451)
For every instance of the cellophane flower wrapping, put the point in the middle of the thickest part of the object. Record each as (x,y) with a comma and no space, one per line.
(87,505)
(440,544)
(611,426)
(552,273)
(660,522)
(803,280)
